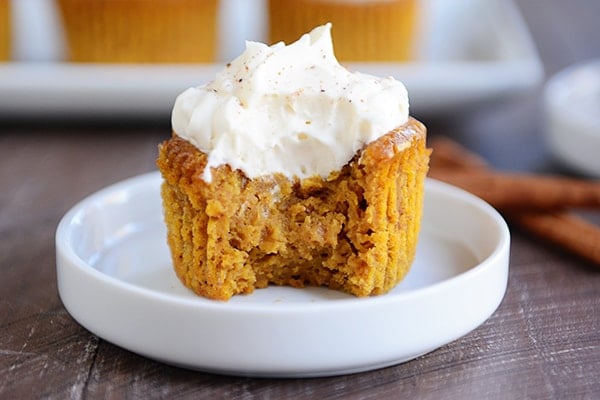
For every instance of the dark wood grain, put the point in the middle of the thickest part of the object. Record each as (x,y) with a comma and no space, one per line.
(543,341)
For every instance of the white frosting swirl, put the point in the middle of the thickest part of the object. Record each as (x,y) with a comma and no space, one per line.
(288,109)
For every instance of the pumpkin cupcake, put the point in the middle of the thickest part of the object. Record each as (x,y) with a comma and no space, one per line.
(364,30)
(140,31)
(288,169)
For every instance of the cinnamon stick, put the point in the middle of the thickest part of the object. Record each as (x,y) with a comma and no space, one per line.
(508,191)
(449,154)
(456,165)
(563,229)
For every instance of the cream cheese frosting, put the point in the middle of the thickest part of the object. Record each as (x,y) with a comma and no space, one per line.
(289,109)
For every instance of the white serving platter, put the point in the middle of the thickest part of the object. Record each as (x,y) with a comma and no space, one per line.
(115,278)
(470,51)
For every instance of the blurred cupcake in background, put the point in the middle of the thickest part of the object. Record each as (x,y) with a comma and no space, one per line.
(140,31)
(5,29)
(363,30)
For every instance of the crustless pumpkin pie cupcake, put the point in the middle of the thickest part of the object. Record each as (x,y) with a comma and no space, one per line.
(288,169)
(365,30)
(140,31)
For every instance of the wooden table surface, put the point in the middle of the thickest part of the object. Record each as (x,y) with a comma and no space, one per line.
(542,342)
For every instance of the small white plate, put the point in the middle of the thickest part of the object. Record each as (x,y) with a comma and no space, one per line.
(469,51)
(572,105)
(115,278)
